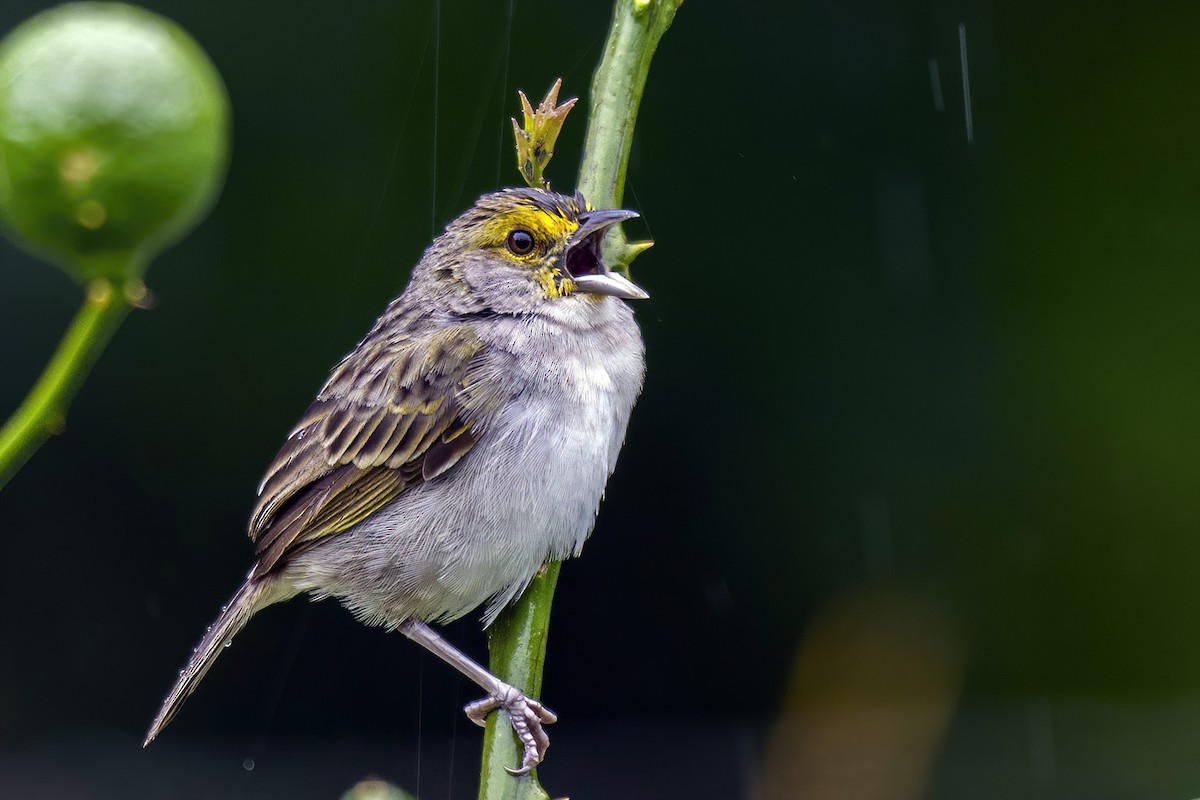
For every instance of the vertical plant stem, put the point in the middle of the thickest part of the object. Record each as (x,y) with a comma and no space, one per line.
(44,410)
(517,639)
(516,653)
(617,88)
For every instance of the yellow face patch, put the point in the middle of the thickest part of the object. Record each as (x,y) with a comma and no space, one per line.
(556,282)
(549,230)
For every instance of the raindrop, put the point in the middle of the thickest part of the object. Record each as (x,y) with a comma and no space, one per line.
(966,76)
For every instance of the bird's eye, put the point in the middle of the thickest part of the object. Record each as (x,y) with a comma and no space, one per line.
(520,242)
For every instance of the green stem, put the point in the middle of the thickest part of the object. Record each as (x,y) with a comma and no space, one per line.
(517,653)
(45,408)
(517,639)
(617,90)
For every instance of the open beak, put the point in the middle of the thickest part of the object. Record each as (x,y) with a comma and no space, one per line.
(583,259)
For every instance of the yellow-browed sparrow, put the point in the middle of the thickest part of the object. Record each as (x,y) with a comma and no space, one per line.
(463,443)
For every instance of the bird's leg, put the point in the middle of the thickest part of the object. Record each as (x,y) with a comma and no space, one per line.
(527,715)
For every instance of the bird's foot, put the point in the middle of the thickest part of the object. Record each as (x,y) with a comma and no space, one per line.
(527,715)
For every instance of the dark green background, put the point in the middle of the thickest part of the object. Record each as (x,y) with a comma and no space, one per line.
(881,358)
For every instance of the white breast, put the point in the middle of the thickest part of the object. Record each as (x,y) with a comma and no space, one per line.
(528,491)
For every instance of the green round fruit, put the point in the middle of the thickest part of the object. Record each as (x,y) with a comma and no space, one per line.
(114,136)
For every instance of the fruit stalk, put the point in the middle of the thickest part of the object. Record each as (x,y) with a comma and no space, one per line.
(44,410)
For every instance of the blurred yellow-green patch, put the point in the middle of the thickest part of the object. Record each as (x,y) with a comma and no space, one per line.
(114,136)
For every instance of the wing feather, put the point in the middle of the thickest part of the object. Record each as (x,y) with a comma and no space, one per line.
(446,451)
(390,416)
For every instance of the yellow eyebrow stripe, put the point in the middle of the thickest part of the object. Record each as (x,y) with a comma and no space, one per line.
(545,226)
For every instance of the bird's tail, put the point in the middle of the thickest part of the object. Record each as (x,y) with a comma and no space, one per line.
(252,596)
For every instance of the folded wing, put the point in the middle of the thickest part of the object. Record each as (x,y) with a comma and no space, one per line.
(389,417)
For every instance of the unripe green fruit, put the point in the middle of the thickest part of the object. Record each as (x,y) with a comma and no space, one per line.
(114,132)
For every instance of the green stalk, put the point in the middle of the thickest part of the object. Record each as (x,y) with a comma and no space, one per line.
(44,410)
(516,653)
(517,639)
(617,88)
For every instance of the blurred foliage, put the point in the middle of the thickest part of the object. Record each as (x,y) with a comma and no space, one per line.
(877,356)
(375,789)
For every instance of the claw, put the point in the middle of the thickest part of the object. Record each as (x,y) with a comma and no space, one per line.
(477,711)
(527,717)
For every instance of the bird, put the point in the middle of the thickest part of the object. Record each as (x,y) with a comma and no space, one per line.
(461,445)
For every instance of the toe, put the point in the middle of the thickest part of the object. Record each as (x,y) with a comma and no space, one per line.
(544,715)
(477,711)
